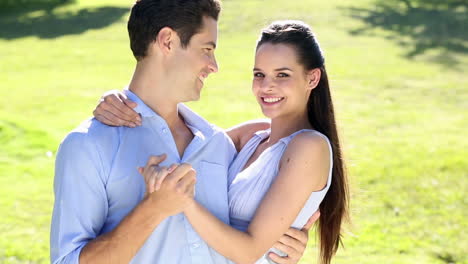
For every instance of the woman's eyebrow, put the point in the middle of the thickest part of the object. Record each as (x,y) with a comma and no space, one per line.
(279,69)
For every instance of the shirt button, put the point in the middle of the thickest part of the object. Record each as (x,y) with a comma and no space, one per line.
(164,130)
(195,245)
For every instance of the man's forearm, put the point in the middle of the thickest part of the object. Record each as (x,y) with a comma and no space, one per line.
(122,244)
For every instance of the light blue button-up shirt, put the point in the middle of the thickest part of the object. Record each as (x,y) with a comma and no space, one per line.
(97,184)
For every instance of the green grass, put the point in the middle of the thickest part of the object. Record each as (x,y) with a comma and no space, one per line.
(402,117)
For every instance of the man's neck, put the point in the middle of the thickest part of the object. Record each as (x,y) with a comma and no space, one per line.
(149,85)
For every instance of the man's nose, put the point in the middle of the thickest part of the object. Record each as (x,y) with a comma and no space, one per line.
(213,65)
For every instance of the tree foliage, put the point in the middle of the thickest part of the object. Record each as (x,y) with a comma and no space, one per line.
(430,4)
(19,4)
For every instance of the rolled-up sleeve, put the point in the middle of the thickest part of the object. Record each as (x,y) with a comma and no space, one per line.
(81,204)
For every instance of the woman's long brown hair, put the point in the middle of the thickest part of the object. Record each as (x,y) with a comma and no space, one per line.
(334,207)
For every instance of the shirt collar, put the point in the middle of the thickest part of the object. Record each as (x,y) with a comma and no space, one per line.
(141,108)
(194,120)
(191,118)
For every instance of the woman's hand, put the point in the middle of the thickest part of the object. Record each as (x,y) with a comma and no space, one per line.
(114,109)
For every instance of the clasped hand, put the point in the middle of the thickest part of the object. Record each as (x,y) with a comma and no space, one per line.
(171,188)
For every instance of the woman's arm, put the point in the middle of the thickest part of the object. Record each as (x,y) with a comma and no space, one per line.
(242,132)
(114,109)
(304,168)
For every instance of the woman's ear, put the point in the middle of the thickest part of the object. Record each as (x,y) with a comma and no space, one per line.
(313,78)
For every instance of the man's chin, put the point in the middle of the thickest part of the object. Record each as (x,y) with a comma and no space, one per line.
(192,98)
(196,98)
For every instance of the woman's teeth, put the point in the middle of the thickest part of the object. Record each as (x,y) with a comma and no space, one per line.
(272,99)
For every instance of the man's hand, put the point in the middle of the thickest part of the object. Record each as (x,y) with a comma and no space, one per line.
(114,109)
(175,188)
(293,243)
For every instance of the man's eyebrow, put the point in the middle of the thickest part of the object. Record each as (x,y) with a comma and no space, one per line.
(211,43)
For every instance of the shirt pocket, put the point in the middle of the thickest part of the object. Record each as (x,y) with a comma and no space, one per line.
(212,189)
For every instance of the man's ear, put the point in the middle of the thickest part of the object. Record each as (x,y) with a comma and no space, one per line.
(313,78)
(165,39)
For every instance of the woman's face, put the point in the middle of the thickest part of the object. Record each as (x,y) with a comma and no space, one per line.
(280,84)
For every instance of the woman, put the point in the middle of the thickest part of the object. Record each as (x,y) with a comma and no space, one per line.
(284,174)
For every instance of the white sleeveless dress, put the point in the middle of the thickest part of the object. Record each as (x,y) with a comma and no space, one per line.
(247,188)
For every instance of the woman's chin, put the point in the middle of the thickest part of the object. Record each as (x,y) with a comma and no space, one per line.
(269,114)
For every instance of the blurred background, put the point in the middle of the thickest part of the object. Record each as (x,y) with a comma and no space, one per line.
(398,71)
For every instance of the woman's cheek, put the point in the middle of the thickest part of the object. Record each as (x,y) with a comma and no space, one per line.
(255,86)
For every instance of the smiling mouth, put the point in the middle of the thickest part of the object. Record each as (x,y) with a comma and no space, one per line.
(202,78)
(272,100)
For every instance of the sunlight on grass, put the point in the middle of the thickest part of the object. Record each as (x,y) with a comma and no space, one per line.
(402,118)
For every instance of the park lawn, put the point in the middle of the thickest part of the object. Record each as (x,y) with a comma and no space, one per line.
(401,119)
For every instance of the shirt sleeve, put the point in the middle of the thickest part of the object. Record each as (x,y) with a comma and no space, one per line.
(80,206)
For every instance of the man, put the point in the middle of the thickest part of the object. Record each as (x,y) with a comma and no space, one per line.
(101,213)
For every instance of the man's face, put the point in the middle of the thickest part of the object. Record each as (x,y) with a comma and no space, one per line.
(196,61)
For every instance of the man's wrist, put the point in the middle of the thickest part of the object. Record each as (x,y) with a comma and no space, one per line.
(151,211)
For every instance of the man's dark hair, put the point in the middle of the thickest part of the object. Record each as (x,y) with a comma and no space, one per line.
(148,17)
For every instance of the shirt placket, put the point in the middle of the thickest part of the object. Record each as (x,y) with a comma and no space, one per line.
(161,130)
(199,251)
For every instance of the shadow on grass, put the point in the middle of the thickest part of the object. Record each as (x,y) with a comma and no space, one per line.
(445,258)
(44,21)
(419,28)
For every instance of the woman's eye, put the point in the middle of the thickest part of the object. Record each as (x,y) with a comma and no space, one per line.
(282,75)
(258,75)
